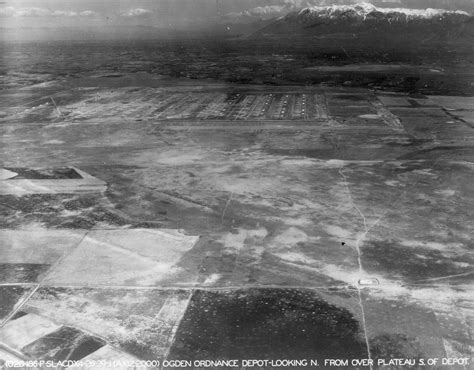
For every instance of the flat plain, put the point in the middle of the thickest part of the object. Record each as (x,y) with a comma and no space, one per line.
(187,219)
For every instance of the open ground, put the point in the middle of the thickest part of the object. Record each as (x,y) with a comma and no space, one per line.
(193,220)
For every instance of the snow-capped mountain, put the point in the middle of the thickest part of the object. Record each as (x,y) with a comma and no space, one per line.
(367,12)
(367,18)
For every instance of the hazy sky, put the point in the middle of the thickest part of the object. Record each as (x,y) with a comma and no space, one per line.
(18,15)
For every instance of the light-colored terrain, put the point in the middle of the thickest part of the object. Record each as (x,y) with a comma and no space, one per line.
(346,213)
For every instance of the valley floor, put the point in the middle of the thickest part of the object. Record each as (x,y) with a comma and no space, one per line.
(197,221)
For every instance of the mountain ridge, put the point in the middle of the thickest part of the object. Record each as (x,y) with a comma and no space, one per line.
(371,21)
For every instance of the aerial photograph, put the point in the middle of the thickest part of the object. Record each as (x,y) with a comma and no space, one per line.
(237,184)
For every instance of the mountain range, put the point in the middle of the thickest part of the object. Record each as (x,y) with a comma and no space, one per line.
(366,20)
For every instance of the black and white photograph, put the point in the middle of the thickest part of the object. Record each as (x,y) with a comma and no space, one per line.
(237,184)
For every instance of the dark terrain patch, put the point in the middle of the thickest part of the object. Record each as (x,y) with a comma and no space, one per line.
(45,174)
(401,329)
(412,264)
(66,343)
(437,152)
(9,297)
(59,210)
(350,97)
(390,346)
(320,153)
(22,272)
(18,314)
(266,323)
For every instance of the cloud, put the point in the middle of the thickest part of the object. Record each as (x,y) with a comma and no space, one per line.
(137,12)
(11,11)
